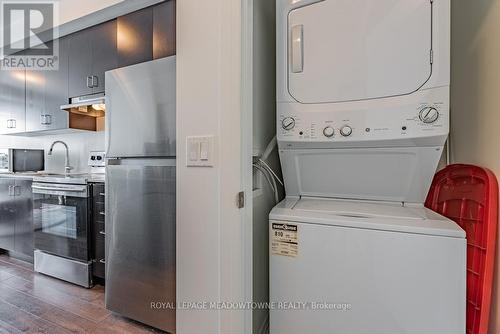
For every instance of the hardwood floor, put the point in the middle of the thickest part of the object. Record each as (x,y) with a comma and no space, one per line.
(35,303)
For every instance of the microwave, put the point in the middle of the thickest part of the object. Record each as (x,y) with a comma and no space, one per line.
(21,160)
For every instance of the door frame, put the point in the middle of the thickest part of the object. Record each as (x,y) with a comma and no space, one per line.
(247,153)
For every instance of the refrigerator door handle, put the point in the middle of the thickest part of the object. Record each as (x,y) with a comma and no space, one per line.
(160,162)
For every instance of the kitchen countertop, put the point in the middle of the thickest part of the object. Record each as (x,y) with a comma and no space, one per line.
(90,178)
(18,175)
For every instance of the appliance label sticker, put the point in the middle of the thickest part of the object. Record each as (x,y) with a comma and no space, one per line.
(285,240)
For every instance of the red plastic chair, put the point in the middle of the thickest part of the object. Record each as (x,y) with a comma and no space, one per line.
(469,196)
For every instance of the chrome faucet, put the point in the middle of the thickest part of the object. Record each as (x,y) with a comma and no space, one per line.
(67,167)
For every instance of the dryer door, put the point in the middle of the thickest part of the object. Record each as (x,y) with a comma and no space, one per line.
(350,50)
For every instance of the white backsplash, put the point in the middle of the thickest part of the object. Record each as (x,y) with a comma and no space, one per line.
(80,144)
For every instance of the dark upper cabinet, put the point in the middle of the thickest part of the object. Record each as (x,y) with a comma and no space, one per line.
(146,34)
(30,100)
(104,55)
(80,63)
(164,29)
(46,91)
(91,52)
(12,101)
(135,37)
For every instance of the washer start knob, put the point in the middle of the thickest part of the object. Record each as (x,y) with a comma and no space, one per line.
(328,131)
(346,131)
(288,123)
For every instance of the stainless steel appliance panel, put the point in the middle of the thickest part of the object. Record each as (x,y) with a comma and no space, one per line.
(140,110)
(140,239)
(61,220)
(75,272)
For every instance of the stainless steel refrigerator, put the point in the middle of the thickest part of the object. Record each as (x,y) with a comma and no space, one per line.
(140,192)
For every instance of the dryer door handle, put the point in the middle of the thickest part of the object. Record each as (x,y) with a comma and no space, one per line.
(297,49)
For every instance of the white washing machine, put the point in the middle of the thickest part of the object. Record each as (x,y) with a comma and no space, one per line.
(350,267)
(363,115)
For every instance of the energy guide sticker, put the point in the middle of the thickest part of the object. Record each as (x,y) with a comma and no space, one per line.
(284,240)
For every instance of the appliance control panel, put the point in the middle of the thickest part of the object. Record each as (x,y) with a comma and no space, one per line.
(97,159)
(423,115)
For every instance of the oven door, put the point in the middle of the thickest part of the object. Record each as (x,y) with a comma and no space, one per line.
(60,215)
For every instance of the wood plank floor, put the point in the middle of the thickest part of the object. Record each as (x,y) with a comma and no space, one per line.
(35,303)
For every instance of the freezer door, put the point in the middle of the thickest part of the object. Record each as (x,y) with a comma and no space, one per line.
(140,240)
(140,110)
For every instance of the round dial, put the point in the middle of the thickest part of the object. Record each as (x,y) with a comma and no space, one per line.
(346,131)
(429,115)
(288,123)
(328,131)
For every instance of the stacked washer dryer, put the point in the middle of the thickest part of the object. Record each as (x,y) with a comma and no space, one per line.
(363,115)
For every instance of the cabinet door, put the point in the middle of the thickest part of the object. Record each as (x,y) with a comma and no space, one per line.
(98,229)
(56,92)
(7,214)
(104,56)
(164,29)
(46,91)
(12,101)
(23,234)
(80,63)
(135,37)
(35,100)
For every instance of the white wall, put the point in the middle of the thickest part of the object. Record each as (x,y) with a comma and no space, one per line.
(209,225)
(475,98)
(80,144)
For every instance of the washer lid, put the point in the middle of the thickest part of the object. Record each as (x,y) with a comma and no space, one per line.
(350,50)
(366,215)
(360,209)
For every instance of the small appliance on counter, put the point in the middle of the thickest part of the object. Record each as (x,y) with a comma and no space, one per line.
(62,223)
(21,160)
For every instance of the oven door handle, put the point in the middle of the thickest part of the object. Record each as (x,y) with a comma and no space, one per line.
(79,190)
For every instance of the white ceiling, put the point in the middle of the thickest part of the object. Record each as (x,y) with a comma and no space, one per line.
(70,10)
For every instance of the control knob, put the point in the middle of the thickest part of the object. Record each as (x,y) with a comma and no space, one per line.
(346,131)
(328,131)
(429,115)
(288,123)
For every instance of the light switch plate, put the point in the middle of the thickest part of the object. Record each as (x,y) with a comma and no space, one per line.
(200,151)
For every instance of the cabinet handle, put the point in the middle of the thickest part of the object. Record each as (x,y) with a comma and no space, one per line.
(102,232)
(102,261)
(11,124)
(102,194)
(14,191)
(46,119)
(102,213)
(89,81)
(95,81)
